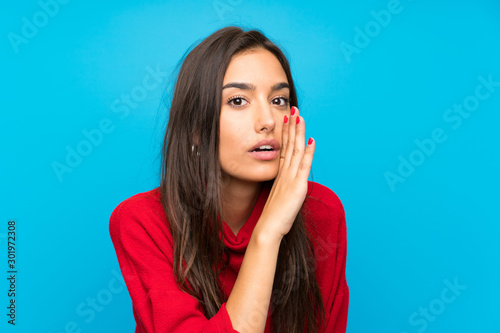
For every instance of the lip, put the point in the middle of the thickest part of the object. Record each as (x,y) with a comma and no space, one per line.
(271,142)
(265,155)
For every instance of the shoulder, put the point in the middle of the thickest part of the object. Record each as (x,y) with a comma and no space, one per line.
(137,210)
(141,203)
(321,201)
(324,215)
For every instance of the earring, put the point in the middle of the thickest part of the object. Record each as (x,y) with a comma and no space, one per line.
(197,152)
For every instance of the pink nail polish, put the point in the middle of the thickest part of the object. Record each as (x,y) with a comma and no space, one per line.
(292,111)
(298,120)
(310,141)
(286,119)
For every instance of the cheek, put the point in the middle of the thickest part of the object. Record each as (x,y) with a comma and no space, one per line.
(279,125)
(228,131)
(234,131)
(229,139)
(279,129)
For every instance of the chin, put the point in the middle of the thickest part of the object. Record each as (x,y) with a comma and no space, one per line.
(264,175)
(251,173)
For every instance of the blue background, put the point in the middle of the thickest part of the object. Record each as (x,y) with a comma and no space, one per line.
(366,108)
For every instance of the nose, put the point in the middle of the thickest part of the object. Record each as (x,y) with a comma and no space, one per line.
(265,118)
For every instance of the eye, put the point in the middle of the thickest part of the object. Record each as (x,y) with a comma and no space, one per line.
(285,100)
(236,101)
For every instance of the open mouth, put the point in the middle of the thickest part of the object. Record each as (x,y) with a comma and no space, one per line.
(263,148)
(265,153)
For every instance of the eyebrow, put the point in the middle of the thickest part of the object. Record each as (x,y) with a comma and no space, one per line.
(249,86)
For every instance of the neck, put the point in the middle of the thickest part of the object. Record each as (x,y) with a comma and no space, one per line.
(238,201)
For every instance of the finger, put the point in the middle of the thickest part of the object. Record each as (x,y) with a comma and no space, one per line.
(305,164)
(298,151)
(291,136)
(284,141)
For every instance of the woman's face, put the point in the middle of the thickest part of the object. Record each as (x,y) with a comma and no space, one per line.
(255,99)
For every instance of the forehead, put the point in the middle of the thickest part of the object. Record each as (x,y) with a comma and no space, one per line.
(258,65)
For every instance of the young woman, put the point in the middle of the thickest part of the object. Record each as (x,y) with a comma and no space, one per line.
(235,238)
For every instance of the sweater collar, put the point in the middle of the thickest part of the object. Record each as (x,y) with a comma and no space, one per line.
(239,243)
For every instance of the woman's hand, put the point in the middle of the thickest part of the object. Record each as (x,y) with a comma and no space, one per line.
(290,186)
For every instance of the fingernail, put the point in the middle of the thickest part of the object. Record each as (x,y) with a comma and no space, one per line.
(298,120)
(292,110)
(286,119)
(310,141)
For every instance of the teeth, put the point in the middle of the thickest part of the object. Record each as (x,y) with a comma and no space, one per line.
(264,148)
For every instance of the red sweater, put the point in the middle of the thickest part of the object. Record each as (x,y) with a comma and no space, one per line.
(144,247)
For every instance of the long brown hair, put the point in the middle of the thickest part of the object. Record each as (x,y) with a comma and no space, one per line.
(191,190)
